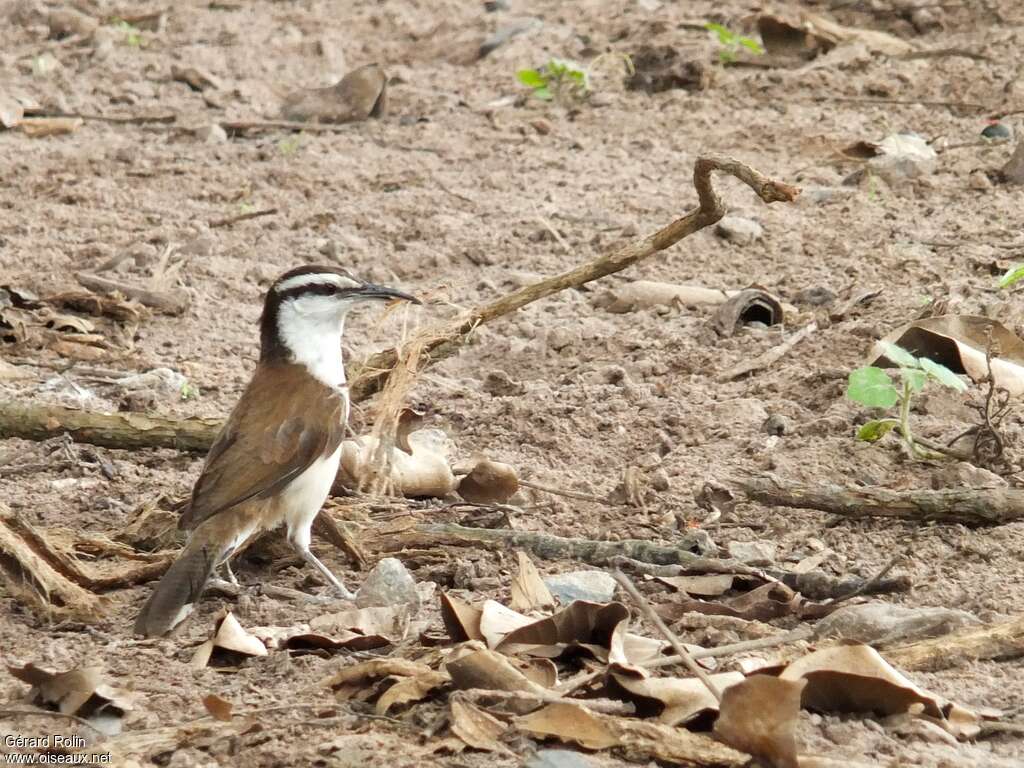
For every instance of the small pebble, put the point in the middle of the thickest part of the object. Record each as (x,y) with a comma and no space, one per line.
(389,583)
(559,758)
(752,552)
(594,586)
(777,424)
(979,181)
(739,230)
(997,131)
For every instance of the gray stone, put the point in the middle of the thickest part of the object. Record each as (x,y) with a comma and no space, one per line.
(389,583)
(211,134)
(500,384)
(963,474)
(507,32)
(777,424)
(559,758)
(879,623)
(903,156)
(593,586)
(559,338)
(739,230)
(752,552)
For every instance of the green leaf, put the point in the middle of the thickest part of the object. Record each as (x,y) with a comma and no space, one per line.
(544,94)
(726,56)
(943,375)
(872,387)
(531,78)
(915,377)
(725,36)
(1013,275)
(899,355)
(751,45)
(876,429)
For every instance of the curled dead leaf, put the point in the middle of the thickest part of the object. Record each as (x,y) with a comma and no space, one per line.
(759,715)
(855,678)
(228,645)
(424,470)
(750,305)
(578,624)
(476,728)
(489,482)
(461,620)
(391,681)
(360,94)
(673,700)
(959,343)
(79,692)
(219,709)
(529,592)
(572,724)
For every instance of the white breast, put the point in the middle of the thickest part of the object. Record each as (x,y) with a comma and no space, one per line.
(302,499)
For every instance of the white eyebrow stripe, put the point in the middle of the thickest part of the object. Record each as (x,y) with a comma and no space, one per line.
(317,278)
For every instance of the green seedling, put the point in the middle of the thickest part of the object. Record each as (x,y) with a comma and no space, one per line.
(289,145)
(189,391)
(132,35)
(559,79)
(1013,276)
(732,42)
(875,388)
(565,81)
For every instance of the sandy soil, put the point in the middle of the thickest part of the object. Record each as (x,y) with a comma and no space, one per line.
(452,196)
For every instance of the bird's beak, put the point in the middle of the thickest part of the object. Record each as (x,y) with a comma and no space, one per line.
(382,292)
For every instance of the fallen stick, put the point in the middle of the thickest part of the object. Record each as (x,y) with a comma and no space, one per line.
(114,430)
(549,547)
(682,654)
(604,706)
(441,342)
(771,356)
(990,642)
(36,576)
(969,506)
(240,126)
(168,302)
(814,585)
(231,220)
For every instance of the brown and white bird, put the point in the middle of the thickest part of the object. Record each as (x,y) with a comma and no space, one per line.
(276,457)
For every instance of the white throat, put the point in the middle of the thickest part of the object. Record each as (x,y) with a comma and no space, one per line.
(314,340)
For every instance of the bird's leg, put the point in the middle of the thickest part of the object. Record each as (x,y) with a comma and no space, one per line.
(228,572)
(300,540)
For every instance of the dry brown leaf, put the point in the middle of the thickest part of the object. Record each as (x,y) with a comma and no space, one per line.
(540,671)
(461,620)
(79,692)
(769,601)
(360,94)
(573,724)
(812,34)
(855,678)
(759,715)
(580,623)
(491,671)
(959,343)
(489,482)
(477,728)
(348,681)
(753,304)
(301,638)
(529,592)
(228,645)
(219,709)
(115,307)
(414,688)
(674,700)
(497,621)
(37,127)
(388,621)
(712,585)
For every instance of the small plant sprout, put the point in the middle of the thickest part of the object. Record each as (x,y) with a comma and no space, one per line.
(731,43)
(1013,276)
(132,36)
(289,145)
(565,81)
(873,387)
(189,391)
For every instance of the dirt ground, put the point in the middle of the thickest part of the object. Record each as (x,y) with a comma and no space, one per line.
(453,196)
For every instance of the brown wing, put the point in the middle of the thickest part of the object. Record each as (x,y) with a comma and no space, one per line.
(272,436)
